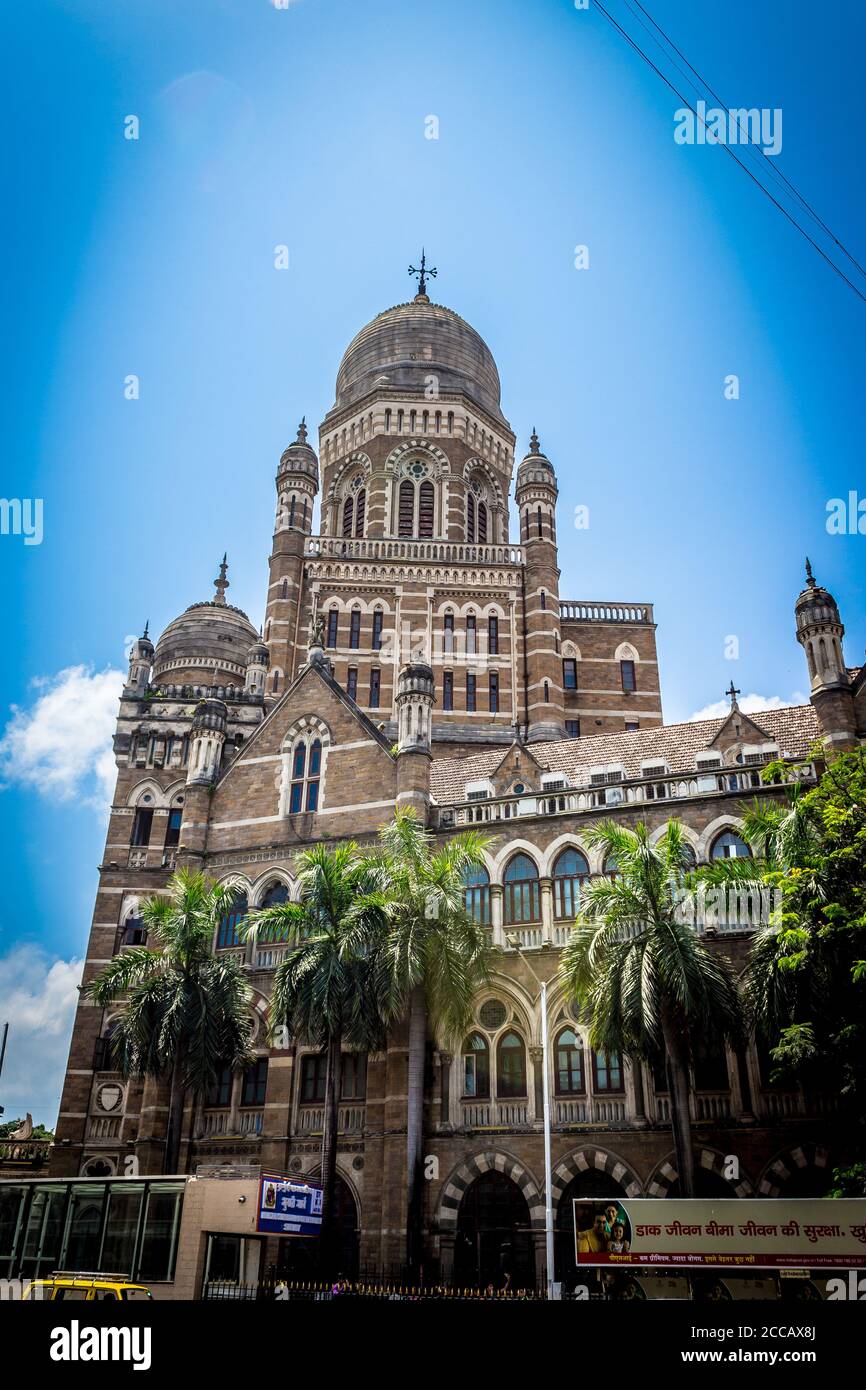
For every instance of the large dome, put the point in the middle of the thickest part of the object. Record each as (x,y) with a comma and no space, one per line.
(403,346)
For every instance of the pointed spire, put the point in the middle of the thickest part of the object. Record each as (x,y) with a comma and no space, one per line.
(534,446)
(145,634)
(302,431)
(810,578)
(733,693)
(221,583)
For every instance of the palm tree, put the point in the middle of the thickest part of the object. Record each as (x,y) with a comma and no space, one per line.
(786,842)
(649,984)
(331,986)
(185,1010)
(438,957)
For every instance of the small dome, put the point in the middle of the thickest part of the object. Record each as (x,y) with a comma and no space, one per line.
(300,457)
(208,644)
(259,653)
(405,345)
(535,467)
(814,603)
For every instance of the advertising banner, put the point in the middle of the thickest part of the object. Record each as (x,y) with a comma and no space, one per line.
(288,1207)
(761,1234)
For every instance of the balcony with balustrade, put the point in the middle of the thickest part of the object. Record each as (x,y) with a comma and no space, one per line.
(398,549)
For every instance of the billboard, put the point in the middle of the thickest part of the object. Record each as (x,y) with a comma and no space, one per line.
(691,1232)
(288,1207)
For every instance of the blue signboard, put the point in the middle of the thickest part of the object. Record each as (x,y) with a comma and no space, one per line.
(288,1207)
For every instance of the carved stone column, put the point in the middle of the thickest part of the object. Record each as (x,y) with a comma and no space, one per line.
(537,1055)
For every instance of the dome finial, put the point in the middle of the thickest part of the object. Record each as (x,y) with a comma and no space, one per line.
(534,446)
(146,633)
(221,583)
(422,272)
(302,430)
(810,578)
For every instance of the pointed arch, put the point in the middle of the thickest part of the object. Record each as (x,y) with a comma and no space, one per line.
(490,1160)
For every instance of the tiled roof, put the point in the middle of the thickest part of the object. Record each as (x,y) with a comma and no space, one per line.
(795,729)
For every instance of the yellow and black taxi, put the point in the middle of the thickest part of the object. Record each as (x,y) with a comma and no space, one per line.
(84,1286)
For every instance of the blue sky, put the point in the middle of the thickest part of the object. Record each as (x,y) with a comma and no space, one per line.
(306,127)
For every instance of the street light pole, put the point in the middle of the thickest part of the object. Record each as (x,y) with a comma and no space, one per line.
(514,941)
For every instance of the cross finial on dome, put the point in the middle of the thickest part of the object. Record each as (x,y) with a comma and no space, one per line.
(534,446)
(302,430)
(221,583)
(733,693)
(810,578)
(422,272)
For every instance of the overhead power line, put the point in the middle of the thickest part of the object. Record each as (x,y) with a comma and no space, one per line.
(727,148)
(759,150)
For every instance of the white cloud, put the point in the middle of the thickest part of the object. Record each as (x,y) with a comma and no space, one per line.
(61,744)
(750,704)
(39,1000)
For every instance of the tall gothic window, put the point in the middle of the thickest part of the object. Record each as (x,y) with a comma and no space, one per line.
(470,516)
(306,775)
(416,501)
(406,523)
(569,872)
(355,629)
(333,619)
(377,629)
(227,931)
(522,895)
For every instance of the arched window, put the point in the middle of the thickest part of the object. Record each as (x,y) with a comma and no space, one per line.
(333,620)
(476,894)
(416,501)
(306,774)
(406,516)
(348,515)
(360,511)
(729,845)
(569,872)
(482,523)
(522,895)
(689,857)
(227,931)
(377,629)
(426,507)
(476,1067)
(611,868)
(276,893)
(471,633)
(355,629)
(510,1066)
(570,1079)
(470,516)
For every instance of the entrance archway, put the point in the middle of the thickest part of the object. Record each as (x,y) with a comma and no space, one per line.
(494,1235)
(298,1257)
(585,1186)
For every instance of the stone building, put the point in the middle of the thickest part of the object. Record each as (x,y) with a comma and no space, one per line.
(413,653)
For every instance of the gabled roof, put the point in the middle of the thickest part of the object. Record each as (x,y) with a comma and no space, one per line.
(795,729)
(324,675)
